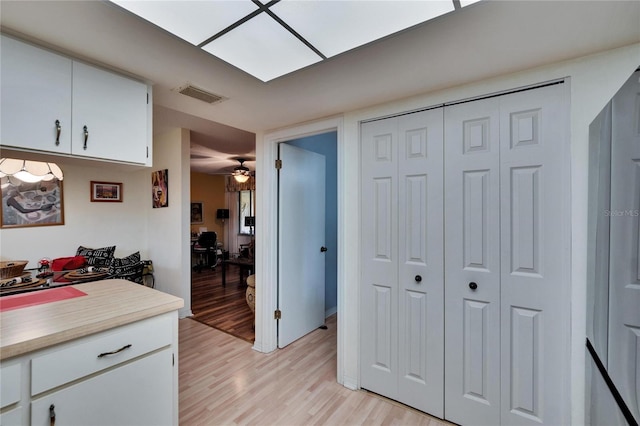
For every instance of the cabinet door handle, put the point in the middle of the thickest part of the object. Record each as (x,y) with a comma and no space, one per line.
(58,130)
(86,136)
(114,352)
(52,415)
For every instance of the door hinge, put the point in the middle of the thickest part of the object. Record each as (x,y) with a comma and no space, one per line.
(147,152)
(277,314)
(173,359)
(147,98)
(278,164)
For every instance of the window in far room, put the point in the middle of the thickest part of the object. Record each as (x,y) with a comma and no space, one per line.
(246,200)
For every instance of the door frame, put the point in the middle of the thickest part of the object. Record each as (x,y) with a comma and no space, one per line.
(266,338)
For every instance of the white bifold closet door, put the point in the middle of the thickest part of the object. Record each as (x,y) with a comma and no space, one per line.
(507,260)
(497,182)
(402,333)
(624,270)
(472,250)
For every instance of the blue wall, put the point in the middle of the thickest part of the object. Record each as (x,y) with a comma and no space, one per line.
(326,144)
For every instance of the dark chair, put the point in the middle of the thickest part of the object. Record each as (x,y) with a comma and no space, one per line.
(207,247)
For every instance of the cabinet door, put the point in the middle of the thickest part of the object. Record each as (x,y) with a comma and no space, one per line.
(35,94)
(109,115)
(138,393)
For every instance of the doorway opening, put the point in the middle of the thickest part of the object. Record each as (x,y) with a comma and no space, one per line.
(307,234)
(219,281)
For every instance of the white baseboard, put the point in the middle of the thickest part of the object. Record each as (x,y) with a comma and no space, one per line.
(184,313)
(350,383)
(330,311)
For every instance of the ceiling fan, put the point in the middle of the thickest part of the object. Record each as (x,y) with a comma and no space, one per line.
(241,173)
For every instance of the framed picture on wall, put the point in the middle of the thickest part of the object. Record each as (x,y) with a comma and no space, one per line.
(106,192)
(31,204)
(197,212)
(160,188)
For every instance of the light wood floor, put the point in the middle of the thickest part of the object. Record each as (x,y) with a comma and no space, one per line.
(223,381)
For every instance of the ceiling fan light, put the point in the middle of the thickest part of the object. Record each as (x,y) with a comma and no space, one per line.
(241,173)
(241,178)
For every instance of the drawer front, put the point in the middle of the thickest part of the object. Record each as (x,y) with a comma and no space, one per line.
(10,379)
(91,354)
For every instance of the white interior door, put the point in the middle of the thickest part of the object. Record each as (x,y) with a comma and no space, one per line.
(402,295)
(507,256)
(379,286)
(624,279)
(535,257)
(472,253)
(421,261)
(301,227)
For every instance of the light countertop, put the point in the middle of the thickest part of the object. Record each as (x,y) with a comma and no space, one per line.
(108,304)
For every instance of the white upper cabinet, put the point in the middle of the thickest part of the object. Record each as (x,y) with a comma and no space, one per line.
(35,98)
(53,104)
(109,115)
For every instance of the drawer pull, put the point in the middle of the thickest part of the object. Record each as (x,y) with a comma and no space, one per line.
(52,415)
(114,352)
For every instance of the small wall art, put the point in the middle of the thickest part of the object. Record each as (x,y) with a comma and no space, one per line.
(197,212)
(160,188)
(106,192)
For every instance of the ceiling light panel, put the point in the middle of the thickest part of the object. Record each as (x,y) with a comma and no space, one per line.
(262,48)
(336,26)
(193,21)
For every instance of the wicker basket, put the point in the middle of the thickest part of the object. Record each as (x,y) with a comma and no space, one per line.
(12,268)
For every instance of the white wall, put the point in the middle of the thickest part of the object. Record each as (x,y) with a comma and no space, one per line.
(89,224)
(169,227)
(593,81)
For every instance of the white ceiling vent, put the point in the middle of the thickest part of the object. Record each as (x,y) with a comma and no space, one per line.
(201,94)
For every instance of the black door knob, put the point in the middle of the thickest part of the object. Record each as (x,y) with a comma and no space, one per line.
(473,285)
(323,249)
(418,278)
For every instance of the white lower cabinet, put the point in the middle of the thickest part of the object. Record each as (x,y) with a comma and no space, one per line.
(123,376)
(11,417)
(11,393)
(136,393)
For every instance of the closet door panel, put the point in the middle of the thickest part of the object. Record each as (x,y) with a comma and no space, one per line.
(379,288)
(421,261)
(535,256)
(472,253)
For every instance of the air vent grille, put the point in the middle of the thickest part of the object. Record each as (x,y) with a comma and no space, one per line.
(201,94)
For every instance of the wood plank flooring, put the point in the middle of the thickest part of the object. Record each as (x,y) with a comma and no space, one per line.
(224,308)
(223,381)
